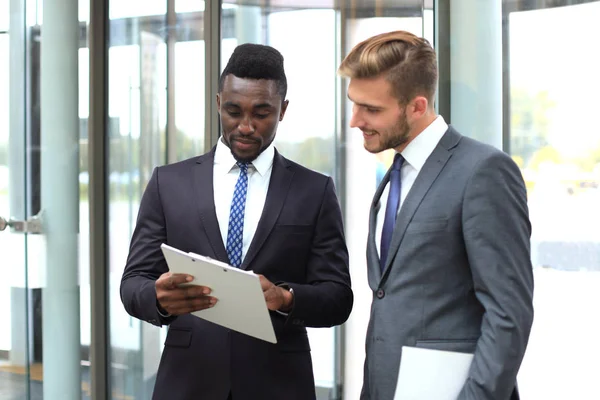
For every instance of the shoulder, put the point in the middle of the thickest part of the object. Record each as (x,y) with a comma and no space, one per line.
(184,165)
(474,153)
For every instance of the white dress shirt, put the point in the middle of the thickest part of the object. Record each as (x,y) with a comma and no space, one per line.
(225,176)
(415,154)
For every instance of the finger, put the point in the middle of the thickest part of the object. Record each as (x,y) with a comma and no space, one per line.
(265,284)
(185,293)
(171,281)
(178,279)
(189,306)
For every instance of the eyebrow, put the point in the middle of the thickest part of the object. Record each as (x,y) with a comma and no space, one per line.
(364,104)
(261,105)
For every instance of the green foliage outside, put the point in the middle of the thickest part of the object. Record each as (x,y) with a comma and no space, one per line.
(315,153)
(529,144)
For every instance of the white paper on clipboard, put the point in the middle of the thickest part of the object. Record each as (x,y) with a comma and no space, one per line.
(427,374)
(241,303)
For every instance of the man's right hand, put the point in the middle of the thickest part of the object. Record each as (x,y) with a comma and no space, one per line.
(179,300)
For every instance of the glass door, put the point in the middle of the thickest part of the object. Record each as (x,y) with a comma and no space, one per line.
(40,346)
(17,367)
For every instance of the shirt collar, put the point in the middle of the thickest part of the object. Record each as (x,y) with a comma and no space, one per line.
(421,147)
(224,160)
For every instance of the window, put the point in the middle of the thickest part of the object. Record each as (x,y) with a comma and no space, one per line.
(555,139)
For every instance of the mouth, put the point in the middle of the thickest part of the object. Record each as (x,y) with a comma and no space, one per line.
(245,144)
(369,133)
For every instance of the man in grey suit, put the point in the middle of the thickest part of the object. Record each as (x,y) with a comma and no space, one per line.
(448,251)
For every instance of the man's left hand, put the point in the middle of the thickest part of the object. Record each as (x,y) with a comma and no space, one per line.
(277,298)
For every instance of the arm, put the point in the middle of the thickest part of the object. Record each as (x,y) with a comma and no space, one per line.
(326,299)
(148,290)
(497,232)
(145,263)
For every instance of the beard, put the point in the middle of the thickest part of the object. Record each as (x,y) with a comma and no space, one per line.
(396,136)
(399,134)
(246,156)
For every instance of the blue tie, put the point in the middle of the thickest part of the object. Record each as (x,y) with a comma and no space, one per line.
(235,231)
(391,209)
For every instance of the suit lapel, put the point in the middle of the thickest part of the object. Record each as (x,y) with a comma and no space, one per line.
(428,174)
(204,197)
(281,178)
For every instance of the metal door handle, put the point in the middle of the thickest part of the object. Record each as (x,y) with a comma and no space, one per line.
(32,225)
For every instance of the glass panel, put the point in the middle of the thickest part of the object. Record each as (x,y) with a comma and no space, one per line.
(555,139)
(4,207)
(39,174)
(4,9)
(14,347)
(140,86)
(136,8)
(364,172)
(189,6)
(137,113)
(307,134)
(189,98)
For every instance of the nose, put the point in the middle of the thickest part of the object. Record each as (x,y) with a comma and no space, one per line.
(356,121)
(245,127)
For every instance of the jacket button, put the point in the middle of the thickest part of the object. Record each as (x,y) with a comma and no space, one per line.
(380,293)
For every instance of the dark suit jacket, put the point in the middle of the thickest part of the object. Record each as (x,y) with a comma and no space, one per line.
(458,276)
(299,241)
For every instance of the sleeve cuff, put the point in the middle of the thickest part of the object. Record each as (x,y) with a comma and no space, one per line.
(289,289)
(161,312)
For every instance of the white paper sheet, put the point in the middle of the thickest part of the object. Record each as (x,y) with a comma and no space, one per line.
(431,374)
(241,303)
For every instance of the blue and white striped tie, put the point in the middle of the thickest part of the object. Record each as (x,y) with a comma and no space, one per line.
(235,231)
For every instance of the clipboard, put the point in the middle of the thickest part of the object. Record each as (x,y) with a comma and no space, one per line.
(241,303)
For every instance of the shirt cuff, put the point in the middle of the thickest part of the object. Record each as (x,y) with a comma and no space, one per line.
(164,314)
(289,289)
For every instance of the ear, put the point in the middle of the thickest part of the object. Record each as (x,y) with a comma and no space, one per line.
(418,107)
(284,106)
(218,103)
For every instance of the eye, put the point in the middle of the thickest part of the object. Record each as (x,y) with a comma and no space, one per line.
(232,113)
(372,110)
(262,116)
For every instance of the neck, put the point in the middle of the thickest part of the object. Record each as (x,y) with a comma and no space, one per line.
(419,126)
(422,124)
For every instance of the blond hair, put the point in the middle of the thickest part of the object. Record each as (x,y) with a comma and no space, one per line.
(408,62)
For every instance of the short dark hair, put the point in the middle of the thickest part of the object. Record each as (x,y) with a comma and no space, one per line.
(256,61)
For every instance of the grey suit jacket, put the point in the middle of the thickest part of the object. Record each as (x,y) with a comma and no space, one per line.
(458,276)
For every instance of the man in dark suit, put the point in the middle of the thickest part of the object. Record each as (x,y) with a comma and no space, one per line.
(244,204)
(448,248)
